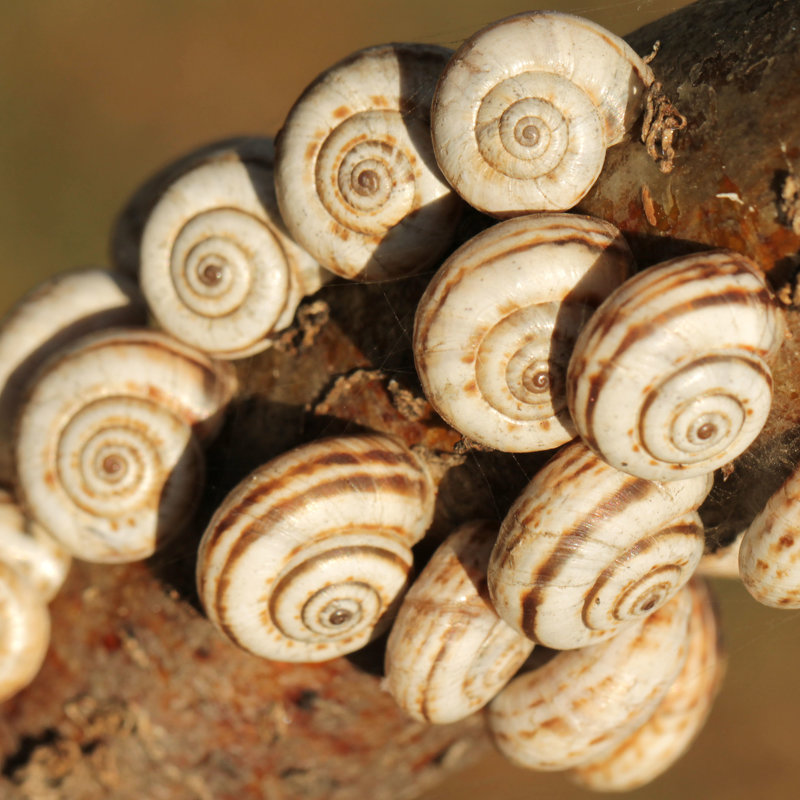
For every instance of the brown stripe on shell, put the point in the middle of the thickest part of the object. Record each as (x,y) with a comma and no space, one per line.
(632,490)
(693,530)
(310,565)
(552,234)
(756,365)
(363,482)
(304,468)
(647,328)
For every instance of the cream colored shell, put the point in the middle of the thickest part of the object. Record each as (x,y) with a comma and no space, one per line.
(307,558)
(449,653)
(526,108)
(53,314)
(587,550)
(29,549)
(666,736)
(670,378)
(24,631)
(107,451)
(495,329)
(217,267)
(355,175)
(769,556)
(582,703)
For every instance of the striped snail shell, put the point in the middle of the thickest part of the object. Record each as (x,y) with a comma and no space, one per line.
(449,653)
(670,378)
(306,559)
(494,331)
(355,174)
(769,554)
(53,314)
(107,451)
(526,108)
(587,550)
(217,267)
(29,549)
(24,631)
(582,703)
(677,720)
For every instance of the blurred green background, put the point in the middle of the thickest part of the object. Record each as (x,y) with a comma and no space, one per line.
(95,95)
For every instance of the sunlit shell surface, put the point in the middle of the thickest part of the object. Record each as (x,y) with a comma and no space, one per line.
(355,175)
(587,550)
(449,653)
(671,378)
(308,557)
(107,450)
(528,105)
(582,703)
(217,267)
(495,329)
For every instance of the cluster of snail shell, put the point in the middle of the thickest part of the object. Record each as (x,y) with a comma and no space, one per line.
(536,334)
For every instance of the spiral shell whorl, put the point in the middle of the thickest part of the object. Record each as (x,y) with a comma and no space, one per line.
(355,174)
(306,558)
(667,734)
(449,653)
(582,703)
(108,459)
(495,328)
(525,110)
(682,349)
(587,550)
(58,312)
(217,267)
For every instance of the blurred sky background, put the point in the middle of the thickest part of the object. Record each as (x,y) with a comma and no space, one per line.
(95,95)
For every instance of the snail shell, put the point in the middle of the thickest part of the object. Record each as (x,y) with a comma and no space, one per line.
(217,267)
(670,379)
(769,555)
(666,736)
(305,559)
(29,549)
(582,703)
(526,108)
(449,653)
(24,631)
(587,550)
(494,331)
(355,174)
(53,314)
(107,450)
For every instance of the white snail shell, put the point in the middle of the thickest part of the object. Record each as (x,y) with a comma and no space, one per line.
(53,314)
(587,550)
(449,653)
(582,703)
(525,110)
(495,329)
(670,378)
(107,448)
(355,175)
(306,559)
(217,267)
(24,631)
(666,736)
(29,549)
(769,555)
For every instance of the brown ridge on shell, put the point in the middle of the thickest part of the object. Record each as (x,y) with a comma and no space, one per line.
(305,468)
(569,542)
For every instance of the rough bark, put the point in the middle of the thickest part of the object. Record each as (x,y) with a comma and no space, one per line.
(140,697)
